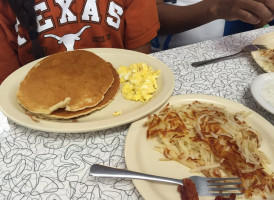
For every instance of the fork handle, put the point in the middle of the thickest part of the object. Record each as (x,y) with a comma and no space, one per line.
(200,63)
(104,171)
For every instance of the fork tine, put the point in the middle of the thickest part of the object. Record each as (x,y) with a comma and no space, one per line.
(231,183)
(260,46)
(222,179)
(221,189)
(223,194)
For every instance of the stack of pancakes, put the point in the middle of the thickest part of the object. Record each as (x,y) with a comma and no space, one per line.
(68,85)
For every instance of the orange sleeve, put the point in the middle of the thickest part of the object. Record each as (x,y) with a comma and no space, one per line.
(8,43)
(142,23)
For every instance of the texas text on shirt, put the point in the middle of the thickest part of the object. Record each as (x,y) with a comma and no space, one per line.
(65,25)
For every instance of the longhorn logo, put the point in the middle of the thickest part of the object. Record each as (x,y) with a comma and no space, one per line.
(69,39)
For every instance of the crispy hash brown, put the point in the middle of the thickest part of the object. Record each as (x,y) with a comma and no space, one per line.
(210,140)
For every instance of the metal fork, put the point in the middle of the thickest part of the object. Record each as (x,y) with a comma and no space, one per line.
(205,186)
(248,48)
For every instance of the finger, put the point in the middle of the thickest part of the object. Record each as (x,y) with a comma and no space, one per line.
(257,8)
(269,4)
(244,16)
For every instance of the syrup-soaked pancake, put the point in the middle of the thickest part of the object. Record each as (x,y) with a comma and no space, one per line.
(72,80)
(109,96)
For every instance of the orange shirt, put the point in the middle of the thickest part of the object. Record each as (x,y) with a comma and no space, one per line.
(75,24)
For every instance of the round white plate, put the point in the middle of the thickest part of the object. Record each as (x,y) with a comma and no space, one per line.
(103,118)
(141,157)
(267,40)
(257,90)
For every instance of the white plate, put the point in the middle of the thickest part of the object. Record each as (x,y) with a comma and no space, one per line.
(103,118)
(141,157)
(257,90)
(267,40)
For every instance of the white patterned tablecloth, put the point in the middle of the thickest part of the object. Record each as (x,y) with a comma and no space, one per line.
(41,165)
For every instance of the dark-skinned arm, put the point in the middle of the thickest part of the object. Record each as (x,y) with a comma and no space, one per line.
(146,48)
(175,19)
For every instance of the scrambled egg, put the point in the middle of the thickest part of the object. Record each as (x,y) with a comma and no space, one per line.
(140,81)
(117,113)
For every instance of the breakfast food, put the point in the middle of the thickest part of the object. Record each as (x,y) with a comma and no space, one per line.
(139,81)
(210,140)
(68,84)
(188,190)
(108,97)
(231,197)
(266,59)
(268,92)
(117,113)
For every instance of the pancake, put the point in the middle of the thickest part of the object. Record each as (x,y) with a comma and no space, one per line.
(72,80)
(108,97)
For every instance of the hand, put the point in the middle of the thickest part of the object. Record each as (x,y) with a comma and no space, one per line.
(249,11)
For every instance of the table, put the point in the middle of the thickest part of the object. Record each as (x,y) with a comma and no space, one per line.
(41,165)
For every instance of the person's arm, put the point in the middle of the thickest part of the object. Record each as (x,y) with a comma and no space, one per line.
(146,48)
(175,19)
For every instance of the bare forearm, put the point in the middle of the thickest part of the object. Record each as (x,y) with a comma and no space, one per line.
(146,48)
(175,19)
